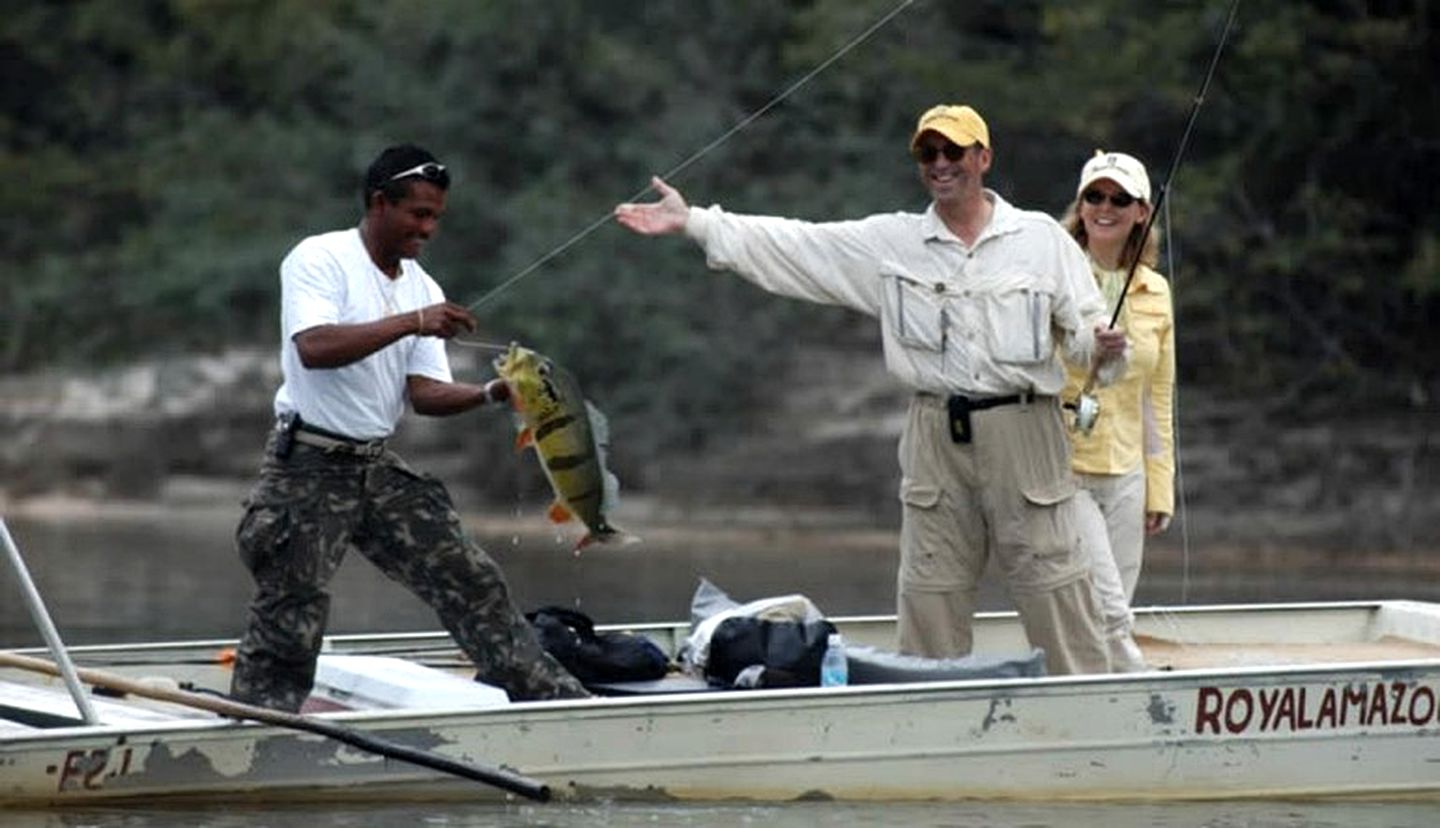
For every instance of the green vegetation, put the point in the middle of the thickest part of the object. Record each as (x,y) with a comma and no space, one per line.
(162,155)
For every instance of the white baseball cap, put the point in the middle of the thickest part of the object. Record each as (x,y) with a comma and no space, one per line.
(1125,170)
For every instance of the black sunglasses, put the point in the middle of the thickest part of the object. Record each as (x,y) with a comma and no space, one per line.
(927,153)
(1120,200)
(430,171)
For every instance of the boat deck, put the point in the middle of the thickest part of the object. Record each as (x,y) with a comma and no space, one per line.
(1174,655)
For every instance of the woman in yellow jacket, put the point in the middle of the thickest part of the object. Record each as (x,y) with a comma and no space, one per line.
(1127,462)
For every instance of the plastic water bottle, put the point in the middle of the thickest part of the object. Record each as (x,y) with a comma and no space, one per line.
(834,670)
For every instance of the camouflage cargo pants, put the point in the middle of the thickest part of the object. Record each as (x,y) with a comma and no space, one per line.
(307,511)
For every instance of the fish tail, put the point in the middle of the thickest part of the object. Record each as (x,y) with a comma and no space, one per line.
(605,533)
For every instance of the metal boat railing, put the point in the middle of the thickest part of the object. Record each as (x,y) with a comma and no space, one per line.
(47,627)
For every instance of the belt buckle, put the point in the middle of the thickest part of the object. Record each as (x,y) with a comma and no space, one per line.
(370,450)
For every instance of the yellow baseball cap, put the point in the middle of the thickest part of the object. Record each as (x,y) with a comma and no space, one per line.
(1124,170)
(961,124)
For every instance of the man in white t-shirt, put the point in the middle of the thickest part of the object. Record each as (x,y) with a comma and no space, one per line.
(362,333)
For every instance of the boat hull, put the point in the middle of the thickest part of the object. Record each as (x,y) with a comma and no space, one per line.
(1310,730)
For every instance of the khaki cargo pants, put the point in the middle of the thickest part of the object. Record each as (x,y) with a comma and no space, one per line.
(302,517)
(1008,493)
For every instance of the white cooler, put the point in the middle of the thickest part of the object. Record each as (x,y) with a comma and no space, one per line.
(361,682)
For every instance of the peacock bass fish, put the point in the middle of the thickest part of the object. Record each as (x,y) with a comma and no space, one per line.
(569,436)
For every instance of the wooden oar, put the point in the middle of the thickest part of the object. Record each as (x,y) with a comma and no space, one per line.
(499,777)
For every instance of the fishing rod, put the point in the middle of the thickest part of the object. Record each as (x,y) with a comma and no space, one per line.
(1086,407)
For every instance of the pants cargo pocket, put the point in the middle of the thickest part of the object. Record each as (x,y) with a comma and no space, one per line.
(1047,536)
(264,531)
(290,544)
(928,558)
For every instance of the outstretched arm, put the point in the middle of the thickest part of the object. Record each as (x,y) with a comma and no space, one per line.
(657,218)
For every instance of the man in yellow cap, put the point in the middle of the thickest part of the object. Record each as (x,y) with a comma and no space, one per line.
(977,300)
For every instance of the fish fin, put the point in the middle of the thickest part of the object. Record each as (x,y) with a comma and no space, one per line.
(600,433)
(599,425)
(525,439)
(610,494)
(559,514)
(607,534)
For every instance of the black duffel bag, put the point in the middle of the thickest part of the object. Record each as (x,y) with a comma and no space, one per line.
(594,658)
(789,651)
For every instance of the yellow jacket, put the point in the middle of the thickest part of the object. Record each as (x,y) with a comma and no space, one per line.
(1136,422)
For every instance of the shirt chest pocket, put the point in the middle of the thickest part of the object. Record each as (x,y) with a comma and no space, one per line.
(1018,324)
(914,312)
(1147,322)
(1146,330)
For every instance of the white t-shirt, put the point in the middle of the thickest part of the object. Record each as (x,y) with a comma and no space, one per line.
(330,279)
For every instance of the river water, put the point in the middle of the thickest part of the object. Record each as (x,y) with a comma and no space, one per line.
(147,571)
(116,571)
(141,571)
(790,815)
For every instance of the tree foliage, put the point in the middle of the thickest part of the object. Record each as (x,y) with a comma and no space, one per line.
(164,154)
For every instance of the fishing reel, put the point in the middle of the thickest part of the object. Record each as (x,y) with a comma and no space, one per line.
(1087,411)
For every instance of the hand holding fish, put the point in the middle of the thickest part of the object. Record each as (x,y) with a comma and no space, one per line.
(497,390)
(658,218)
(443,319)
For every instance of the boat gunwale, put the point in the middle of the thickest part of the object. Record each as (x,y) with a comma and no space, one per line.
(630,704)
(334,641)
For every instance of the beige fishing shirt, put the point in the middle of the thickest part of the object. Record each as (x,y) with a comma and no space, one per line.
(980,320)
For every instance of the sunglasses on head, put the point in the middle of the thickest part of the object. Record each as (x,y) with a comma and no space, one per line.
(430,171)
(927,153)
(1121,200)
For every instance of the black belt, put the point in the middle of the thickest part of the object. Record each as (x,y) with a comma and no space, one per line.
(959,407)
(982,403)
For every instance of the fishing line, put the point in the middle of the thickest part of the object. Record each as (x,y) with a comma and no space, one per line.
(1164,616)
(1169,178)
(1168,618)
(1170,264)
(475,343)
(1182,511)
(695,156)
(1179,152)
